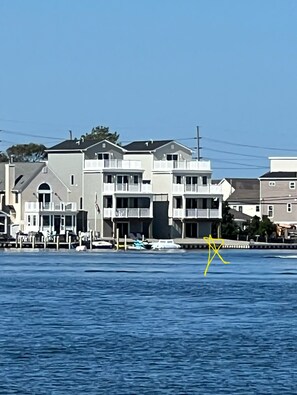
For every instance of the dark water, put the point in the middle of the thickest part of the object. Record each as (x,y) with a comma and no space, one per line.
(148,323)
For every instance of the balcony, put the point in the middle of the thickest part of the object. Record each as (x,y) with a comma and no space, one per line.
(163,165)
(197,189)
(132,188)
(127,213)
(197,213)
(35,207)
(101,164)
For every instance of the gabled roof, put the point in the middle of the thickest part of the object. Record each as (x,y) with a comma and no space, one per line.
(24,173)
(77,145)
(146,145)
(280,174)
(246,190)
(239,216)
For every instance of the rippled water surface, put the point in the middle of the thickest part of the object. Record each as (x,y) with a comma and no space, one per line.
(148,323)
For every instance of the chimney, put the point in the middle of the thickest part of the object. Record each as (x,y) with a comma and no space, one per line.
(9,182)
(70,134)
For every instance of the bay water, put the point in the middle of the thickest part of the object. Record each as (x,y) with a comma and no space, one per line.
(148,323)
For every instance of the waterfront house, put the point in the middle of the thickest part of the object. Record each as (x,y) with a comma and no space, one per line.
(150,188)
(109,188)
(35,200)
(279,192)
(186,204)
(242,194)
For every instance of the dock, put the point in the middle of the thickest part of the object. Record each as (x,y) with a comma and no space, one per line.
(186,244)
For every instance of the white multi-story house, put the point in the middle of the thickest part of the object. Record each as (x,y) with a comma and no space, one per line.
(186,204)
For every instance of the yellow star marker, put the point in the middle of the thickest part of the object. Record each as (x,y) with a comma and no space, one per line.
(212,248)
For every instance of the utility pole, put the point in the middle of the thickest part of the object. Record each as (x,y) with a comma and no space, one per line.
(198,144)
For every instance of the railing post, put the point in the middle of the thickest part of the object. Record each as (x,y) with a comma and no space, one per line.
(117,238)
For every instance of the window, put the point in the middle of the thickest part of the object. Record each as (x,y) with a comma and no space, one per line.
(192,180)
(46,220)
(172,157)
(292,184)
(272,183)
(108,201)
(68,220)
(16,198)
(257,209)
(103,155)
(2,224)
(80,203)
(178,179)
(72,179)
(34,220)
(289,207)
(270,211)
(109,179)
(204,180)
(135,179)
(178,202)
(122,179)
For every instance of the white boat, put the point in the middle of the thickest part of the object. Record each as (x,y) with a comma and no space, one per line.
(102,244)
(165,244)
(81,248)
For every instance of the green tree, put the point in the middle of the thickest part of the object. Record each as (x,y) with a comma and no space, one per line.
(229,229)
(27,152)
(3,157)
(101,133)
(252,228)
(266,227)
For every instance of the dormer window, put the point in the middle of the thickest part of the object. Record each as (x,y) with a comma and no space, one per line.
(172,157)
(103,155)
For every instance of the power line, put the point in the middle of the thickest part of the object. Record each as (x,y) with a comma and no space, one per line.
(234,153)
(31,135)
(249,146)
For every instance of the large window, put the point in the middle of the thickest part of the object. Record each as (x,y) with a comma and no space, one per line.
(270,211)
(44,194)
(172,156)
(191,180)
(122,179)
(103,155)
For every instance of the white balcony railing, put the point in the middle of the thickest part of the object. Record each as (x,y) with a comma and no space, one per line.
(50,206)
(197,189)
(203,165)
(134,188)
(202,213)
(127,213)
(196,213)
(99,164)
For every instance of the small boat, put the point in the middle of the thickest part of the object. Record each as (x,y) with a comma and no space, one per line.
(165,244)
(137,245)
(81,248)
(102,244)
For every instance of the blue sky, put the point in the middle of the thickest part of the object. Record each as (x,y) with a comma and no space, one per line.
(154,69)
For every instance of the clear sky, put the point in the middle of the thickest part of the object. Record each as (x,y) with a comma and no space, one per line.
(154,69)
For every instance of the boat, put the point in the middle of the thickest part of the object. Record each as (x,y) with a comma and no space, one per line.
(165,244)
(81,248)
(102,244)
(138,245)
